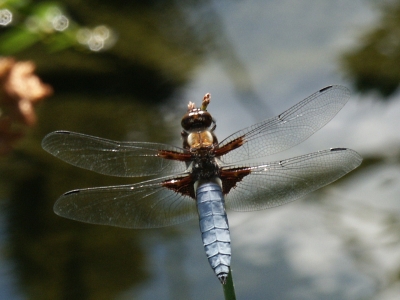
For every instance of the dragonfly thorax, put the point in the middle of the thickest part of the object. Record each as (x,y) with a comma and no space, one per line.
(200,140)
(204,166)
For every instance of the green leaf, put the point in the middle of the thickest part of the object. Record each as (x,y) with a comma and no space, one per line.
(17,40)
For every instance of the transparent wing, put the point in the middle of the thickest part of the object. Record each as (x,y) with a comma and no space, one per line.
(289,128)
(280,182)
(144,205)
(126,159)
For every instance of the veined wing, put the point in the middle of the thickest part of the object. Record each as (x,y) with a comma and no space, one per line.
(277,183)
(126,159)
(286,130)
(147,204)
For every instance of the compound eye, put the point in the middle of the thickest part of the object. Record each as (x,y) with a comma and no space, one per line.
(196,119)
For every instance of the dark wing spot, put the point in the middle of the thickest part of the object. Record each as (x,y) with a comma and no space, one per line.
(63,132)
(183,185)
(236,143)
(231,177)
(325,88)
(71,192)
(174,155)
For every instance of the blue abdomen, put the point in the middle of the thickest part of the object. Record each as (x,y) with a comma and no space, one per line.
(214,228)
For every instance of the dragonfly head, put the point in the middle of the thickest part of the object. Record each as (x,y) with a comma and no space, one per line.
(197,118)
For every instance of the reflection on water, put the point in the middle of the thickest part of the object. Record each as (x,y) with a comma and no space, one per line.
(125,94)
(380,47)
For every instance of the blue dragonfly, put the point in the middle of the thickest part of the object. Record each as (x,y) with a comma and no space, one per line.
(203,178)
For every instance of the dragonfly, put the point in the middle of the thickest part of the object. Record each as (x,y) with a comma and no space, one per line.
(204,177)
